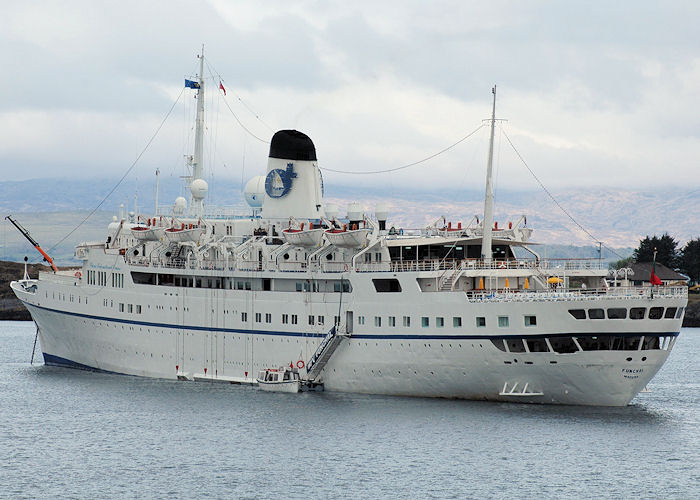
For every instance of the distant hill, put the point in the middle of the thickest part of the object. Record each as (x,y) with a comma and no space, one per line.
(50,208)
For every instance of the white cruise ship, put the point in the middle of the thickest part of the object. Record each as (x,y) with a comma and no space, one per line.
(453,310)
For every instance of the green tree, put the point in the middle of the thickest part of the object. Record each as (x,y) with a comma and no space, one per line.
(690,259)
(666,248)
(621,263)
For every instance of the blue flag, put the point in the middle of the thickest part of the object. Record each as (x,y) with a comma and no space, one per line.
(191,84)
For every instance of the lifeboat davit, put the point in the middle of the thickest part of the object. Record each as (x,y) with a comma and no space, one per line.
(147,233)
(182,234)
(355,238)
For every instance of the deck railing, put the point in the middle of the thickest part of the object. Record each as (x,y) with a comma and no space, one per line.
(553,267)
(633,293)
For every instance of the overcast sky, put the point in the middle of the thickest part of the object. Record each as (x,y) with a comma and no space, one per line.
(595,93)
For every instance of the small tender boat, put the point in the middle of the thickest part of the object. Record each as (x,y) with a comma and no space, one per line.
(190,233)
(147,233)
(304,237)
(343,238)
(282,379)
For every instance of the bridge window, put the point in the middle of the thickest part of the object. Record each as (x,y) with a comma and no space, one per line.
(638,312)
(515,345)
(537,345)
(596,314)
(563,345)
(617,313)
(499,344)
(651,343)
(578,313)
(670,313)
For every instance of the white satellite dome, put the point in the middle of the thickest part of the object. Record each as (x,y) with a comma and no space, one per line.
(199,189)
(180,205)
(332,211)
(255,191)
(354,211)
(381,211)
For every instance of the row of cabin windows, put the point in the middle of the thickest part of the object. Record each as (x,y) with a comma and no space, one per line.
(569,345)
(130,308)
(503,321)
(99,278)
(220,283)
(292,319)
(634,313)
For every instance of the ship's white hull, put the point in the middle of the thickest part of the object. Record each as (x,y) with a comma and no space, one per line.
(462,366)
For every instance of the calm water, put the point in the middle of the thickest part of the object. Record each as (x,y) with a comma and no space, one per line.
(67,433)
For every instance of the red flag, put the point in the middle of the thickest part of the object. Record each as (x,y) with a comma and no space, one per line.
(221,86)
(654,279)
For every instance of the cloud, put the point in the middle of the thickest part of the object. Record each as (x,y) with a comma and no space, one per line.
(594,93)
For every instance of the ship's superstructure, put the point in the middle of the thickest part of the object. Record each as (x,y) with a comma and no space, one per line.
(451,310)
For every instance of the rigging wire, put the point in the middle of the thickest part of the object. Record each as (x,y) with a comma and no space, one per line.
(368,172)
(243,126)
(148,144)
(212,71)
(556,202)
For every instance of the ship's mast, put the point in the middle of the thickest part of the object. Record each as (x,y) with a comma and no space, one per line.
(486,250)
(198,162)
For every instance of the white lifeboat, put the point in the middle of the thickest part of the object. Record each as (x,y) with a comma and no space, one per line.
(147,233)
(354,238)
(187,232)
(304,237)
(284,379)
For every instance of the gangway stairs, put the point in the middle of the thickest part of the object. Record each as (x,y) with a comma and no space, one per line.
(324,352)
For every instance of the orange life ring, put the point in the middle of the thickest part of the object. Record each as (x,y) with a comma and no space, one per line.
(300,364)
(79,275)
(502,264)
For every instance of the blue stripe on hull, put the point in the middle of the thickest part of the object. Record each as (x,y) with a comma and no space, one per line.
(354,335)
(51,360)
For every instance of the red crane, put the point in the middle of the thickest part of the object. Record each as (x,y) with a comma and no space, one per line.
(26,234)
